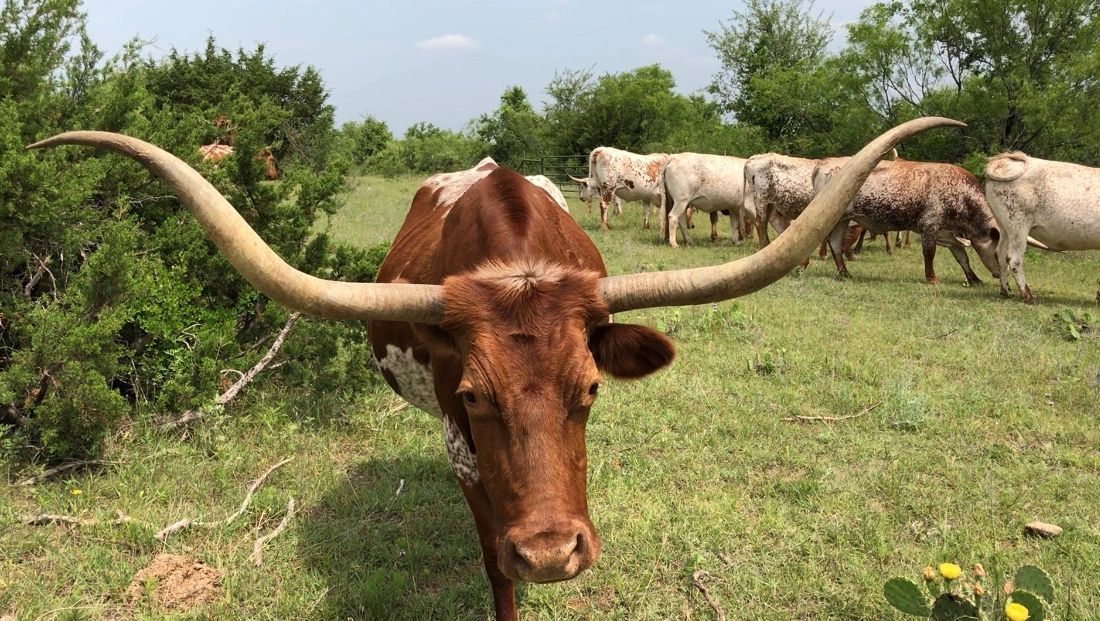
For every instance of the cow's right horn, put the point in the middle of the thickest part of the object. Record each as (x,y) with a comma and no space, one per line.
(580,181)
(741,277)
(253,258)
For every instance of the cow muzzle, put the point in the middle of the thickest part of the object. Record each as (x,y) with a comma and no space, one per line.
(549,554)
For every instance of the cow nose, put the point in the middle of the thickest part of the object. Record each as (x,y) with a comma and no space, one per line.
(548,555)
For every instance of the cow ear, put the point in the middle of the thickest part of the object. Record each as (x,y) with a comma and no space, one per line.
(629,351)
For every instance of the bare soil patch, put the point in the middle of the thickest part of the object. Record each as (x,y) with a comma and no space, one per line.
(174,582)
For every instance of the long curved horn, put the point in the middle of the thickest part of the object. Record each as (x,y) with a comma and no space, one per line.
(756,271)
(253,258)
(580,181)
(1031,241)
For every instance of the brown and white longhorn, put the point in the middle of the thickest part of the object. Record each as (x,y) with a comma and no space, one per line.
(493,312)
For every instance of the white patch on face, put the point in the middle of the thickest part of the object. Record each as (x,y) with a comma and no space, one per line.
(414,380)
(462,459)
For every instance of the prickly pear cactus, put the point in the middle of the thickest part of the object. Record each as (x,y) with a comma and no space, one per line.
(951,607)
(1034,580)
(1036,611)
(906,597)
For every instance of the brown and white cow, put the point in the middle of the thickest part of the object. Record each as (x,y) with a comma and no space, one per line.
(504,339)
(551,188)
(708,183)
(780,185)
(942,202)
(616,174)
(1044,203)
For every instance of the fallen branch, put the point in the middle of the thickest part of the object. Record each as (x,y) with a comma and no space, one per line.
(186,523)
(59,469)
(53,518)
(257,556)
(696,579)
(830,419)
(28,290)
(191,416)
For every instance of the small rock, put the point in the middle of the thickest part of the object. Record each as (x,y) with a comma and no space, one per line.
(1042,529)
(8,617)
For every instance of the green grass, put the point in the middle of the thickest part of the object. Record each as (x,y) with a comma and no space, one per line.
(984,418)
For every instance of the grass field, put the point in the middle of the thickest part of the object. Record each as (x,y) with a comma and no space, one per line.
(975,415)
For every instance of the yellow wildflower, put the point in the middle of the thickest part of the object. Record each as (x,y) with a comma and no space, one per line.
(950,571)
(75,491)
(929,574)
(979,571)
(1016,612)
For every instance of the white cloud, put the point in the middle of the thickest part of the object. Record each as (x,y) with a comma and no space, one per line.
(448,42)
(653,40)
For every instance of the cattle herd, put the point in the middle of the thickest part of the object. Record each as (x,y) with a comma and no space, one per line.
(493,308)
(1025,201)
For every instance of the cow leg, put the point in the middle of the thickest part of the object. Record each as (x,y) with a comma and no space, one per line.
(906,238)
(736,232)
(836,245)
(1011,251)
(859,243)
(676,218)
(605,198)
(889,242)
(504,588)
(823,250)
(928,246)
(646,207)
(618,206)
(964,262)
(714,226)
(689,214)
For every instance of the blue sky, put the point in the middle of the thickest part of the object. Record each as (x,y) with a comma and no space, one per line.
(442,61)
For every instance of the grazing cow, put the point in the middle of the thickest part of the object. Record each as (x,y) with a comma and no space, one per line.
(942,202)
(1053,201)
(777,184)
(616,174)
(551,188)
(710,183)
(885,236)
(504,339)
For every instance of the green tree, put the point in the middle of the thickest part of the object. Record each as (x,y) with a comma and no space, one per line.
(513,131)
(359,141)
(768,36)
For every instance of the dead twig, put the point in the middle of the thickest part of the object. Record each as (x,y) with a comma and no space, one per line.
(257,556)
(58,470)
(43,519)
(191,416)
(186,523)
(948,333)
(696,579)
(830,419)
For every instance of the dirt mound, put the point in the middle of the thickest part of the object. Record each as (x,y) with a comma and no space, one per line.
(174,582)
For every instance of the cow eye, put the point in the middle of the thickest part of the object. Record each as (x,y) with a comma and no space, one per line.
(593,389)
(469,397)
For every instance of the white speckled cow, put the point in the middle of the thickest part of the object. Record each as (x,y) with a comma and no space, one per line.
(616,174)
(1054,203)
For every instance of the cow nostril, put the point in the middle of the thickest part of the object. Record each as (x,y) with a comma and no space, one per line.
(578,546)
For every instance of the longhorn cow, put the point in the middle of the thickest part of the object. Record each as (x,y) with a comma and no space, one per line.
(710,183)
(505,338)
(1054,201)
(942,202)
(615,175)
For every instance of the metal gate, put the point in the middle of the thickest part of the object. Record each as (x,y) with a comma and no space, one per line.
(558,168)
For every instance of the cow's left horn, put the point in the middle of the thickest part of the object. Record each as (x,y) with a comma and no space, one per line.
(1031,241)
(741,277)
(253,258)
(580,181)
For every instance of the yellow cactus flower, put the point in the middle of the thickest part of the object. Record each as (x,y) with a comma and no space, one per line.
(1016,612)
(75,491)
(929,574)
(979,571)
(950,571)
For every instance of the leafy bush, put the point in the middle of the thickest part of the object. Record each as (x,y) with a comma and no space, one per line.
(112,302)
